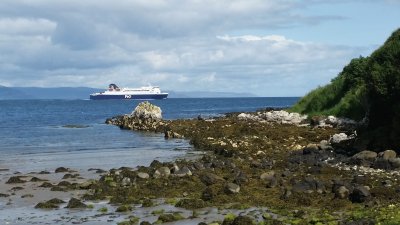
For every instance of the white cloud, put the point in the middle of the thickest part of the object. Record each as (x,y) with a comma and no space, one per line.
(182,45)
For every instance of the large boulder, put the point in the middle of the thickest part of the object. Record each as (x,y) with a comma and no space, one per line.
(146,110)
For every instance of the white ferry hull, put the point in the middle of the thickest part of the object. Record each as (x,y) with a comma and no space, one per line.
(128,97)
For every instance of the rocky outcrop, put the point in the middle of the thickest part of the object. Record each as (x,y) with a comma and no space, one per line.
(147,111)
(146,117)
(280,116)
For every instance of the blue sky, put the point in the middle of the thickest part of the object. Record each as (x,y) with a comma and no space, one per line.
(265,47)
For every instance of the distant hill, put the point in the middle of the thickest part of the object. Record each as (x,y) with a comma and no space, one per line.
(11,93)
(57,92)
(206,94)
(84,92)
(367,87)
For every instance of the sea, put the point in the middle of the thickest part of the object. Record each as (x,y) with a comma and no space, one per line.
(42,135)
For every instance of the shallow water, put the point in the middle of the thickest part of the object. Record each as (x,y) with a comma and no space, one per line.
(37,135)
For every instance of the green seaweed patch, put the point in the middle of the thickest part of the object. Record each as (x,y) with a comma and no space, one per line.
(165,218)
(103,210)
(124,208)
(188,203)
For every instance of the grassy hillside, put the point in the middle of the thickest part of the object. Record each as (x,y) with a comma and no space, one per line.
(366,86)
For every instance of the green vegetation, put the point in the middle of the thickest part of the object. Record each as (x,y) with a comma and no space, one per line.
(366,87)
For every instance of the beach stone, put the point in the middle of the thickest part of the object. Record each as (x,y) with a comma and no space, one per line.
(69,176)
(286,194)
(45,205)
(143,175)
(242,220)
(198,166)
(394,163)
(15,180)
(241,178)
(17,188)
(145,223)
(126,181)
(87,184)
(232,188)
(342,192)
(388,154)
(269,178)
(381,163)
(310,148)
(209,193)
(44,172)
(35,179)
(337,138)
(4,195)
(184,171)
(162,172)
(210,179)
(64,184)
(364,158)
(308,185)
(191,203)
(360,194)
(325,146)
(75,203)
(61,170)
(55,201)
(27,196)
(46,185)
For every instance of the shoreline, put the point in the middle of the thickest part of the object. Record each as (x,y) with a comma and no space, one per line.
(252,170)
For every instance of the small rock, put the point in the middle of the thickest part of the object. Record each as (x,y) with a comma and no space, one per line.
(184,171)
(365,155)
(342,192)
(143,175)
(337,138)
(286,194)
(388,154)
(198,166)
(269,178)
(360,194)
(75,203)
(4,195)
(61,170)
(46,185)
(310,148)
(162,172)
(69,176)
(55,201)
(27,196)
(394,163)
(241,178)
(210,178)
(232,188)
(15,180)
(364,158)
(242,220)
(35,179)
(45,205)
(126,181)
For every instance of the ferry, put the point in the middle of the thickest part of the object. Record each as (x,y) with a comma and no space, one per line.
(142,93)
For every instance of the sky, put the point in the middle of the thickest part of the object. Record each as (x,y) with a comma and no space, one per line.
(264,47)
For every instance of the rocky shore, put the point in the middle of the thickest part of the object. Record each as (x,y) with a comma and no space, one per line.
(303,169)
(267,167)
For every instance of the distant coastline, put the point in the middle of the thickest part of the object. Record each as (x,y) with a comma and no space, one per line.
(10,93)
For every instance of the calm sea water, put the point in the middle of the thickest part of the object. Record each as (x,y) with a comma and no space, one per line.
(33,131)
